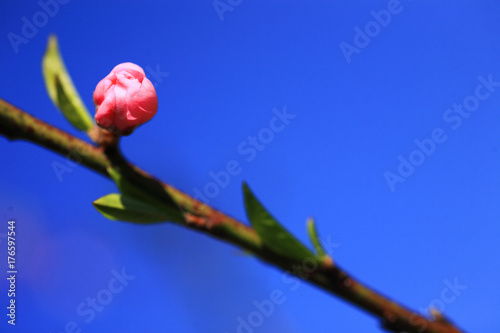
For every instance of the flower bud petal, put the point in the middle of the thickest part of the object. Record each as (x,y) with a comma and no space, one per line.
(124,99)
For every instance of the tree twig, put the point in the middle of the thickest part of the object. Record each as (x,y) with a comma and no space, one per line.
(17,124)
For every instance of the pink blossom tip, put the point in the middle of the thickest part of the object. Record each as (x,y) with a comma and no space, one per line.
(124,99)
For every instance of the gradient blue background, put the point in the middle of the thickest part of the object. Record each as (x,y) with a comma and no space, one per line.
(353,120)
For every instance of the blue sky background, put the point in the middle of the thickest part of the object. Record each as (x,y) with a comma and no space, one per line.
(353,121)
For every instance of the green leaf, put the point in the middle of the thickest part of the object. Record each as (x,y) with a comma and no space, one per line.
(273,235)
(313,235)
(164,203)
(61,90)
(115,206)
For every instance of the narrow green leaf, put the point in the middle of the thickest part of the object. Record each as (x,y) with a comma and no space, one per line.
(61,90)
(273,235)
(313,235)
(120,207)
(166,203)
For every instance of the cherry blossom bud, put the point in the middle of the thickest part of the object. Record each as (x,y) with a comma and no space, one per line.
(124,99)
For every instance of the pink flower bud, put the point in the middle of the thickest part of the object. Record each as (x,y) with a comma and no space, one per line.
(124,99)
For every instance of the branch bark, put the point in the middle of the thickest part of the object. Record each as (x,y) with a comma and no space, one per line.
(16,124)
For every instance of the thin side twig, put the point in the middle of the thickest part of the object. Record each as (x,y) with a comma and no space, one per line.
(17,124)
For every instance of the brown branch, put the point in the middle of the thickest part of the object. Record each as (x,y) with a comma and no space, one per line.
(17,124)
